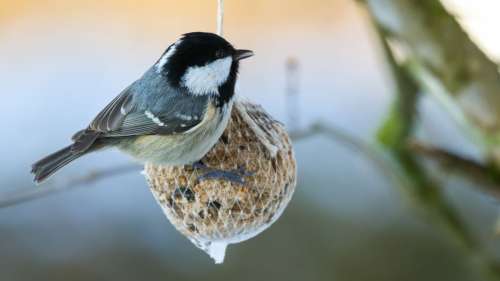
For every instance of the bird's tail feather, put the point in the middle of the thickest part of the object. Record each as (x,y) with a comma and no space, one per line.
(49,165)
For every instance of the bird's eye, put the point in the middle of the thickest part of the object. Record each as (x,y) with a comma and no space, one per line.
(219,54)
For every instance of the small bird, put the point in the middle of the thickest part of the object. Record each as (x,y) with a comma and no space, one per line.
(173,115)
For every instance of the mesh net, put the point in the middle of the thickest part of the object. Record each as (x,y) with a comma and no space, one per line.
(215,212)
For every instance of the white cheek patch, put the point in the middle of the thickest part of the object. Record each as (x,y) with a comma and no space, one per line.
(205,80)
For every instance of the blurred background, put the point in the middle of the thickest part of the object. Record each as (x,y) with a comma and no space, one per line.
(62,61)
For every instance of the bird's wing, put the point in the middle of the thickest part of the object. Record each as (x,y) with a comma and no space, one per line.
(114,113)
(110,117)
(122,117)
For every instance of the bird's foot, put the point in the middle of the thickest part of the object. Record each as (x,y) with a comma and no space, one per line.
(234,176)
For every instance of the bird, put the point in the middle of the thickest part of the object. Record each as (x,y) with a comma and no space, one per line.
(172,115)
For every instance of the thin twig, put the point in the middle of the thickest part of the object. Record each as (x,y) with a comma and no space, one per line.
(485,177)
(371,151)
(220,17)
(316,129)
(30,194)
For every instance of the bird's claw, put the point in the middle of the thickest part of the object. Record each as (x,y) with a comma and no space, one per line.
(234,176)
(224,175)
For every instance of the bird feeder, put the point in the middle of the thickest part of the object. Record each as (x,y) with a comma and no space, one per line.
(214,213)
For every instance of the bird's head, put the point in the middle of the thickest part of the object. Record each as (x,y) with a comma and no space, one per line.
(203,63)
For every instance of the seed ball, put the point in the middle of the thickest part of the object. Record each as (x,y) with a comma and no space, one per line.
(214,213)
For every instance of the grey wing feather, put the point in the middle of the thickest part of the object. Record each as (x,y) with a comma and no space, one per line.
(111,116)
(123,117)
(114,113)
(177,116)
(171,115)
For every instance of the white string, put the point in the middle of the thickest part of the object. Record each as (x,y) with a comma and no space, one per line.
(220,17)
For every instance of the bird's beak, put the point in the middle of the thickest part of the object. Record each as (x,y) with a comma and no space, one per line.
(242,54)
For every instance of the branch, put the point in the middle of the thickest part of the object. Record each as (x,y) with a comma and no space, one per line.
(29,194)
(445,62)
(393,134)
(337,135)
(396,130)
(401,120)
(486,178)
(316,129)
(376,154)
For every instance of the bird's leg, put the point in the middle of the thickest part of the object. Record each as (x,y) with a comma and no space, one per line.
(199,165)
(234,176)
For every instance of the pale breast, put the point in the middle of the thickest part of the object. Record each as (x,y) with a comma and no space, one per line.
(184,148)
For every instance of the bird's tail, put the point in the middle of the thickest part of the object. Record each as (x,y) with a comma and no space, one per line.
(47,166)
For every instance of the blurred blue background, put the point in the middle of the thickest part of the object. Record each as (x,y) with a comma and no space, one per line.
(62,61)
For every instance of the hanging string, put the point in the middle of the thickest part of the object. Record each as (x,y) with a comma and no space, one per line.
(220,17)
